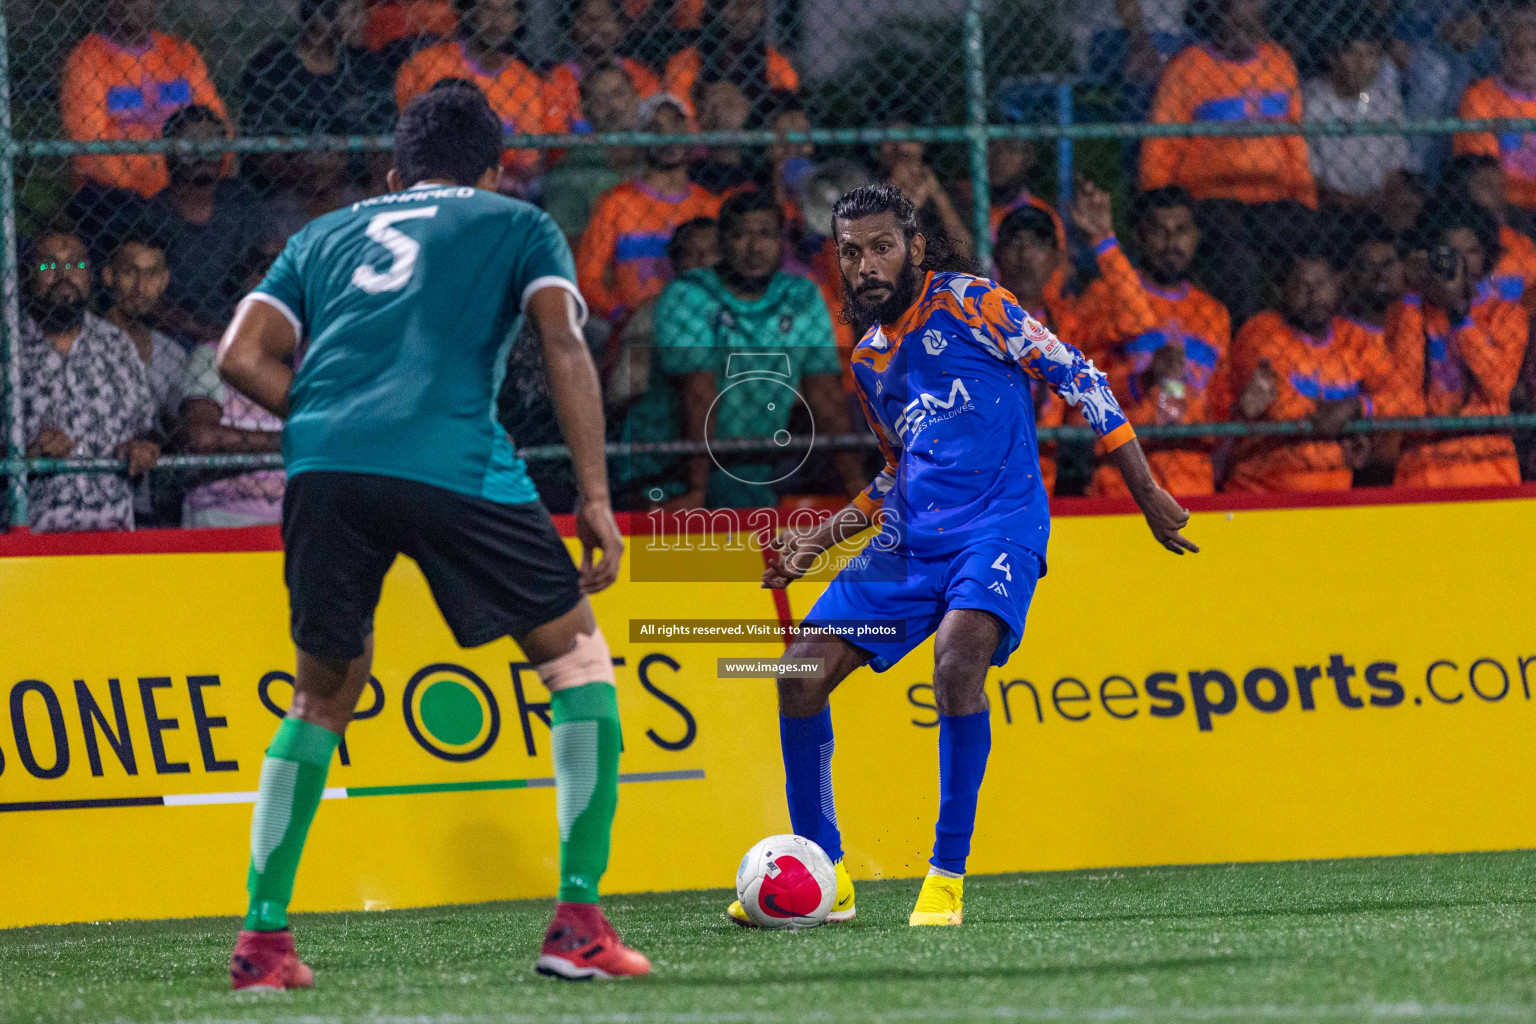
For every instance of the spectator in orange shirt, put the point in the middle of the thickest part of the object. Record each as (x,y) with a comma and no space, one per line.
(487,53)
(1478,179)
(1251,190)
(1510,93)
(1373,284)
(1162,341)
(1304,363)
(721,106)
(1459,348)
(1009,162)
(1028,256)
(733,45)
(622,258)
(123,82)
(598,30)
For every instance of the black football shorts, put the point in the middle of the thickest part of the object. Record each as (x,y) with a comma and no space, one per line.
(495,570)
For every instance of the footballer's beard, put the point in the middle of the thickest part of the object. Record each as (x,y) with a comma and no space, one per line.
(59,309)
(864,315)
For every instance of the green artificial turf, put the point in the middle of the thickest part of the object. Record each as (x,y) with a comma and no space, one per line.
(1416,938)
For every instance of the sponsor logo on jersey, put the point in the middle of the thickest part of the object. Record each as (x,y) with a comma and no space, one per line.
(927,409)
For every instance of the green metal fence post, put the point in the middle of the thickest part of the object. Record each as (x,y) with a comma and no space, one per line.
(976,132)
(10,328)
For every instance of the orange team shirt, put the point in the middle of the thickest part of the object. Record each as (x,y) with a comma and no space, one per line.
(1516,150)
(621,259)
(390,21)
(1200,86)
(1126,320)
(683,69)
(1351,361)
(109,92)
(1514,275)
(516,93)
(562,93)
(1468,370)
(1055,288)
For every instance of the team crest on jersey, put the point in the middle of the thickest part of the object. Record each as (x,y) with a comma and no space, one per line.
(934,342)
(786,323)
(725,319)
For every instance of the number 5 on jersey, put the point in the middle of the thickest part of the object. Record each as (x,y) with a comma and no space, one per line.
(401,246)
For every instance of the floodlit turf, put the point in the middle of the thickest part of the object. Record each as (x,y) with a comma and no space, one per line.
(1448,937)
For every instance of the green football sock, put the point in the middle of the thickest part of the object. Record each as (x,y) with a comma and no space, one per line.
(292,783)
(586,744)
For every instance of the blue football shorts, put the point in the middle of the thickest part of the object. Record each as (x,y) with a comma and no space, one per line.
(889,602)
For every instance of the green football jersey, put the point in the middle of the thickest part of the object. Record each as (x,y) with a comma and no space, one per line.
(407,305)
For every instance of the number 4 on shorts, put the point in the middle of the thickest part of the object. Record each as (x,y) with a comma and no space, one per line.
(1001,565)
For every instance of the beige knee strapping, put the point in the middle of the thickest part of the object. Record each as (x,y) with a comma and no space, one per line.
(588,661)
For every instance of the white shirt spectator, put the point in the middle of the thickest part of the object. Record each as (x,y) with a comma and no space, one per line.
(1357,165)
(235,499)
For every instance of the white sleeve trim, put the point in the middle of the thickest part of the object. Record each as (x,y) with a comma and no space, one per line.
(555,281)
(282,307)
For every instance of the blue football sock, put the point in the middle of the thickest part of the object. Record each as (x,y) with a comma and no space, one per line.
(964,742)
(807,745)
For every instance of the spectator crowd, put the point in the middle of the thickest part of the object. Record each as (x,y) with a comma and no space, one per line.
(1263,276)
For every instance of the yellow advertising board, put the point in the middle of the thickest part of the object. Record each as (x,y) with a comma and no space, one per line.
(1317,683)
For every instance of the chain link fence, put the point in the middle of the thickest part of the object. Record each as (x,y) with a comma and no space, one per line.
(1326,209)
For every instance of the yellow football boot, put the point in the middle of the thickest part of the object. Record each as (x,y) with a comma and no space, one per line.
(941,901)
(842,907)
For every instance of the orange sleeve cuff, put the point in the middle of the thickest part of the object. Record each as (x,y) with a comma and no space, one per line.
(1117,437)
(864,503)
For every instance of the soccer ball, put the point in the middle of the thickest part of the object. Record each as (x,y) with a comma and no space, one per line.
(786,882)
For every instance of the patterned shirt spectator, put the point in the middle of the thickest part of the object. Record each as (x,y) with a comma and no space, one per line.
(123,83)
(221,419)
(1202,85)
(482,55)
(622,258)
(135,278)
(96,395)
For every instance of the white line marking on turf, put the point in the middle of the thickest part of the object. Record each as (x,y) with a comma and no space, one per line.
(1344,1011)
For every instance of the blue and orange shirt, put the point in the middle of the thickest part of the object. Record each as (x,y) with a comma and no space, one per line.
(1125,320)
(947,390)
(1516,151)
(109,92)
(1465,369)
(1200,85)
(621,259)
(1350,361)
(1514,275)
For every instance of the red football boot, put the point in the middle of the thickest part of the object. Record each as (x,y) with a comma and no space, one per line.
(581,945)
(267,962)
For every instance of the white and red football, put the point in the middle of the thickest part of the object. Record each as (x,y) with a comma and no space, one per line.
(786,882)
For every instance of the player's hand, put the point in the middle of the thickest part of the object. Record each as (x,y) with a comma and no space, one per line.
(51,443)
(795,552)
(1092,211)
(597,531)
(142,456)
(1330,418)
(1166,517)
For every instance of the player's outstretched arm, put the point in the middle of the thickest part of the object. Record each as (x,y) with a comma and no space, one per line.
(255,352)
(578,398)
(796,548)
(1163,512)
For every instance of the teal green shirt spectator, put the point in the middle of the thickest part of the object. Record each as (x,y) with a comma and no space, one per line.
(760,351)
